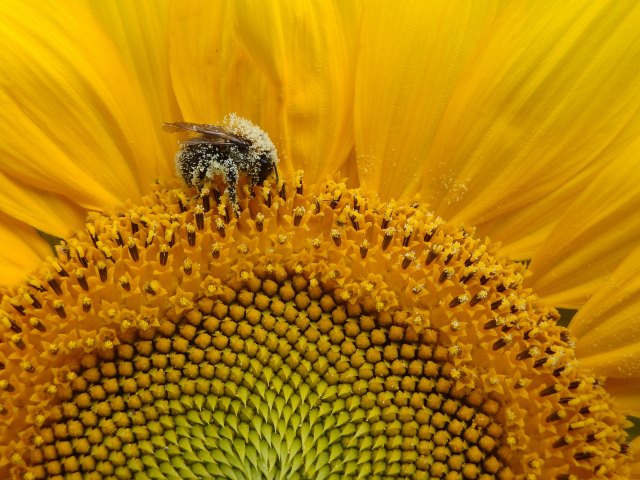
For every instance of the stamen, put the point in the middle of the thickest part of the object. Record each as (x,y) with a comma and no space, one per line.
(163,254)
(386,218)
(30,299)
(199,216)
(53,283)
(446,274)
(502,342)
(364,248)
(10,324)
(221,228)
(182,201)
(297,215)
(102,270)
(478,297)
(58,306)
(557,415)
(563,441)
(124,283)
(105,251)
(298,182)
(206,202)
(191,235)
(86,304)
(458,300)
(92,233)
(388,236)
(529,353)
(408,230)
(551,390)
(81,257)
(82,280)
(133,249)
(37,324)
(496,322)
(170,237)
(408,258)
(259,222)
(335,236)
(433,254)
(115,232)
(188,266)
(58,268)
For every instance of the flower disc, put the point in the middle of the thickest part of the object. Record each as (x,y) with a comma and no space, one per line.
(320,334)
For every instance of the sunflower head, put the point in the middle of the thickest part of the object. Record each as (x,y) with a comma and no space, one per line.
(323,326)
(319,333)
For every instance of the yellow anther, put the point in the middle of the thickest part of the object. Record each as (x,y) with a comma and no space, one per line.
(27,367)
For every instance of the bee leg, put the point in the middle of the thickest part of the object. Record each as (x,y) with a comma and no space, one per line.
(231,176)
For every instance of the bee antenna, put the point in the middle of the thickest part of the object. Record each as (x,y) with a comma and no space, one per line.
(277,177)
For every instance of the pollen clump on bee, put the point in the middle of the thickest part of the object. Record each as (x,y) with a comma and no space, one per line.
(316,334)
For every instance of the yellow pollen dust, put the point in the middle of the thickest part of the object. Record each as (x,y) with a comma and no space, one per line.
(313,333)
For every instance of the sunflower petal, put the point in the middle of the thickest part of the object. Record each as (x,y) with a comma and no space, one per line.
(140,32)
(412,54)
(599,229)
(48,212)
(263,79)
(73,118)
(607,327)
(21,249)
(547,91)
(211,72)
(319,72)
(524,230)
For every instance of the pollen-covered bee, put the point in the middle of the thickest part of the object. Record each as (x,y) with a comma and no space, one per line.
(238,146)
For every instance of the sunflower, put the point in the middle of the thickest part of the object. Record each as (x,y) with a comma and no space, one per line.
(452,174)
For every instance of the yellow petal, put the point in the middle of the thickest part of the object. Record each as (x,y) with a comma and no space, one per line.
(524,230)
(290,71)
(548,89)
(49,212)
(140,32)
(21,249)
(412,53)
(73,118)
(626,394)
(211,72)
(607,327)
(598,230)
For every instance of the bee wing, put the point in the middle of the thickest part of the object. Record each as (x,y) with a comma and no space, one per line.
(206,134)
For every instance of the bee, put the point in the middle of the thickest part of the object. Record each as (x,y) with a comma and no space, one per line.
(238,146)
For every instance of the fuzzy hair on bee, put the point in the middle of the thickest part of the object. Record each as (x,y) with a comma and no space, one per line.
(233,148)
